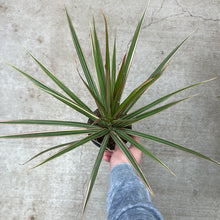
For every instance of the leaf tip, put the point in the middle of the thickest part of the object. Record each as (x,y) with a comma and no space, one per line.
(5,61)
(102,11)
(151,193)
(24,162)
(21,164)
(147,4)
(93,13)
(21,45)
(103,14)
(216,162)
(212,79)
(64,4)
(34,167)
(196,29)
(173,173)
(194,95)
(146,7)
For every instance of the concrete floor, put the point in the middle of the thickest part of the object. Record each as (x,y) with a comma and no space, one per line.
(56,190)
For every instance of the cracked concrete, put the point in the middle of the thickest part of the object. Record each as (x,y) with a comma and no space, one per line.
(186,10)
(56,190)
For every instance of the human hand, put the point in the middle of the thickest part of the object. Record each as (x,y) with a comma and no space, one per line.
(117,156)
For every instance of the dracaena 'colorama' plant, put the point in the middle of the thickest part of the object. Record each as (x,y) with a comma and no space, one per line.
(114,114)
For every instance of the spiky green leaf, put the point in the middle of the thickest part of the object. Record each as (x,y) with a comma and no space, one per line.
(99,67)
(150,113)
(49,149)
(82,58)
(52,133)
(56,94)
(72,104)
(119,86)
(113,76)
(143,149)
(130,157)
(99,72)
(73,146)
(97,101)
(60,84)
(133,96)
(107,56)
(156,102)
(133,44)
(49,122)
(95,171)
(168,58)
(159,71)
(168,143)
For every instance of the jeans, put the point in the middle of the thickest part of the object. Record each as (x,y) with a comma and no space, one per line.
(128,198)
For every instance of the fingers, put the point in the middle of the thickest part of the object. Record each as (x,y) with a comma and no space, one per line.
(117,155)
(135,151)
(136,139)
(107,156)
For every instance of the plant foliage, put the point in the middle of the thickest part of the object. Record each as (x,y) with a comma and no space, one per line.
(115,114)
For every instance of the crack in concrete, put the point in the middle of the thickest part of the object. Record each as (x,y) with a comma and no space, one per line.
(152,21)
(161,6)
(185,10)
(162,19)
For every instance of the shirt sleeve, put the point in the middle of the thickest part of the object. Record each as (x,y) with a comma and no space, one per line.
(128,198)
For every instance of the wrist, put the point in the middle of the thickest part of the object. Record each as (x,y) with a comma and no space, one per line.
(112,165)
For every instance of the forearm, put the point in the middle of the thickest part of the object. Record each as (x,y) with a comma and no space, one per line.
(128,197)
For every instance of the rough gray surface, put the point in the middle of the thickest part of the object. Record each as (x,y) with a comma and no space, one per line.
(56,190)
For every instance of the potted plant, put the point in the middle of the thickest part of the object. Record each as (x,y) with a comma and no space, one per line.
(111,122)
